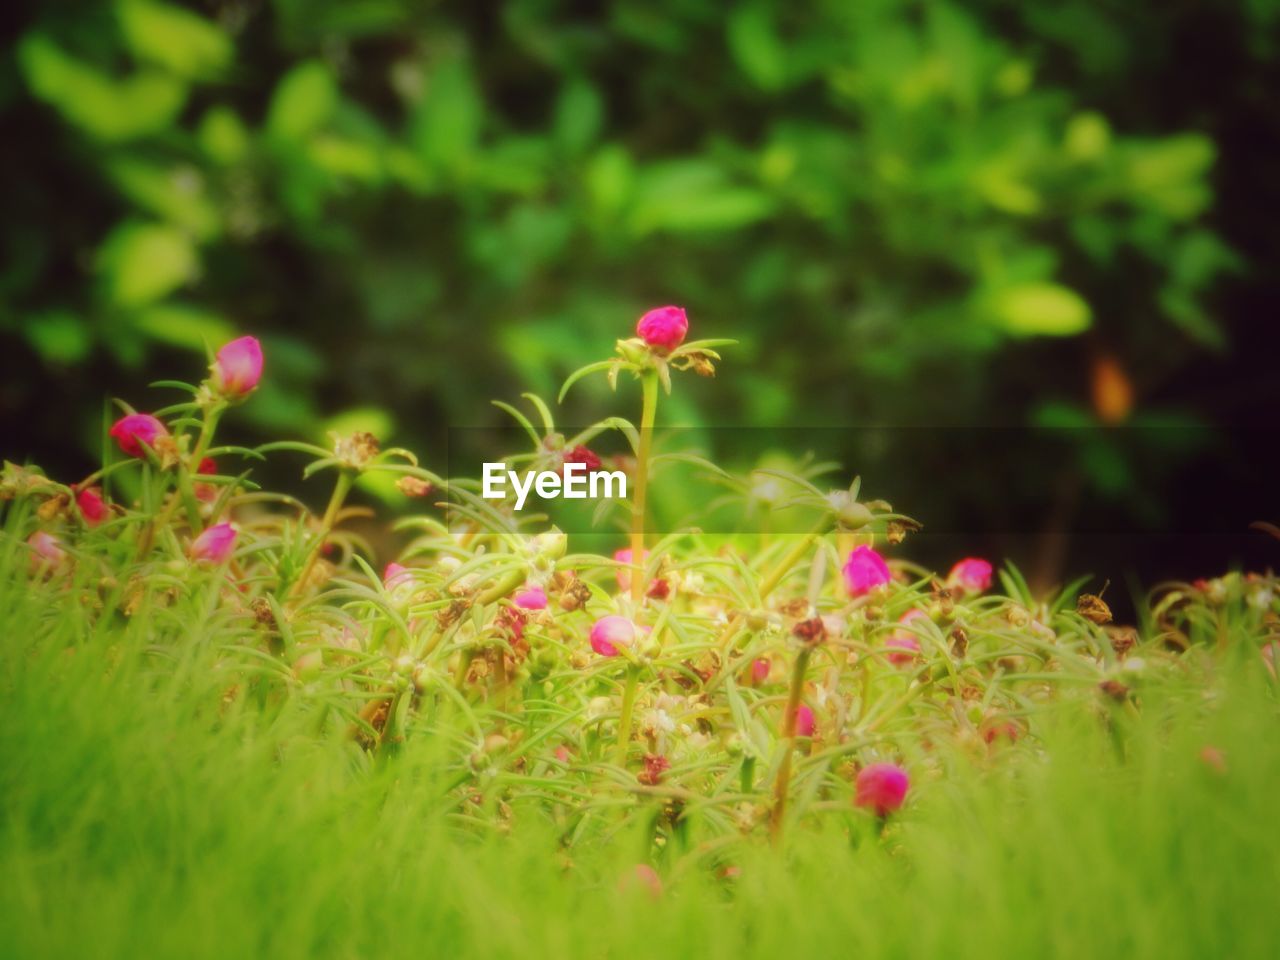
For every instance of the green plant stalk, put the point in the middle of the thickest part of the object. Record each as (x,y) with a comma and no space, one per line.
(186,491)
(628,709)
(648,413)
(783,783)
(340,490)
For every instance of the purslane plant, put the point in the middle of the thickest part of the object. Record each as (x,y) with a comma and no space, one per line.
(710,687)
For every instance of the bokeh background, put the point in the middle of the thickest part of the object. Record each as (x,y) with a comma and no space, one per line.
(970,223)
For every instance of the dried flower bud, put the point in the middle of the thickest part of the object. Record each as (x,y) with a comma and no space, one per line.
(414,487)
(1093,608)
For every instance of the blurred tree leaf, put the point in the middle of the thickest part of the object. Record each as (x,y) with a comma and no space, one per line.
(173,38)
(58,336)
(184,325)
(303,101)
(105,108)
(1041,309)
(143,262)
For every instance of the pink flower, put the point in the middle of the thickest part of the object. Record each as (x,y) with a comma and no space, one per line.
(804,721)
(531,598)
(215,544)
(132,431)
(92,508)
(760,670)
(882,787)
(663,327)
(238,368)
(611,632)
(46,550)
(903,645)
(395,575)
(864,571)
(970,575)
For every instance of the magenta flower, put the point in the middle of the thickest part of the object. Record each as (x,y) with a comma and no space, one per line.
(531,598)
(395,575)
(804,721)
(136,429)
(970,575)
(92,508)
(215,544)
(238,368)
(760,670)
(903,645)
(882,787)
(206,492)
(663,327)
(584,456)
(864,571)
(46,550)
(611,632)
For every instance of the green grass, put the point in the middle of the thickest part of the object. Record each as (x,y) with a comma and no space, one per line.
(144,815)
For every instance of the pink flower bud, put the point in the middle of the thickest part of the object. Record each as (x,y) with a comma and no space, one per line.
(904,646)
(215,544)
(238,368)
(611,632)
(864,571)
(46,550)
(206,492)
(663,327)
(760,670)
(92,509)
(396,575)
(584,456)
(136,429)
(804,721)
(970,575)
(531,598)
(882,787)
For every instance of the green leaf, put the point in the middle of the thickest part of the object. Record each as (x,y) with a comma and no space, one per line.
(303,101)
(223,136)
(446,124)
(184,325)
(105,108)
(578,117)
(175,39)
(143,262)
(1041,309)
(756,47)
(59,336)
(175,193)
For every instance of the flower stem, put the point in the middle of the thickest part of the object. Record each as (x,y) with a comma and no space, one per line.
(649,384)
(628,708)
(340,490)
(783,783)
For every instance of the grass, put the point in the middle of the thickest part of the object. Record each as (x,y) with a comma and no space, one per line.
(146,813)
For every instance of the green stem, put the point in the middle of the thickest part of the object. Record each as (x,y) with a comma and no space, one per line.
(783,783)
(628,708)
(648,413)
(340,490)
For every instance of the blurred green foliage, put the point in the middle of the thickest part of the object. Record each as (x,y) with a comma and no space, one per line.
(419,206)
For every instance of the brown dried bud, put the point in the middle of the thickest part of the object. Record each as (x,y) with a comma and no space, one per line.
(812,631)
(1123,639)
(1093,608)
(896,530)
(356,450)
(1114,689)
(959,642)
(53,507)
(575,594)
(414,487)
